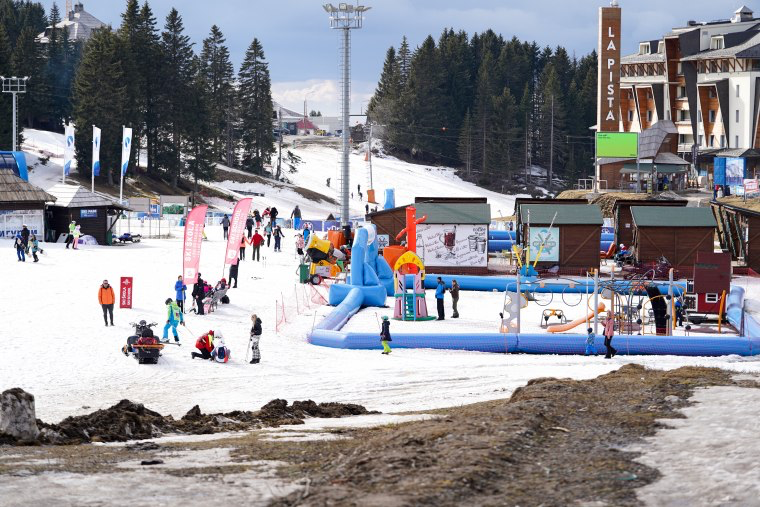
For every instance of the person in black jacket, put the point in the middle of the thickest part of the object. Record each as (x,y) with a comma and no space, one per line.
(385,335)
(198,294)
(249,226)
(25,237)
(255,337)
(225,225)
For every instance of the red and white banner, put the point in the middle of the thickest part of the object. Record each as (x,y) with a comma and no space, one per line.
(237,226)
(125,292)
(751,187)
(191,250)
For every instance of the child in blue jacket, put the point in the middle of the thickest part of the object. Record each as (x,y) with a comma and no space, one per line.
(590,348)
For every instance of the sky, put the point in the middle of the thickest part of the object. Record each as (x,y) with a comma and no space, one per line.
(303,51)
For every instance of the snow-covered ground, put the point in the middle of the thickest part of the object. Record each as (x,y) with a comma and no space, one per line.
(71,362)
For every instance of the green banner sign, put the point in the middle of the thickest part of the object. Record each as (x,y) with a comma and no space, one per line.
(617,144)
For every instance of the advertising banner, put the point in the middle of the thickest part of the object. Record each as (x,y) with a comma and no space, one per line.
(191,249)
(453,245)
(125,292)
(68,150)
(126,147)
(12,221)
(608,72)
(95,151)
(237,228)
(735,171)
(751,187)
(617,144)
(549,238)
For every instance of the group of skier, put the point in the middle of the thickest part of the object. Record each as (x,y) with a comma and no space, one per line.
(26,243)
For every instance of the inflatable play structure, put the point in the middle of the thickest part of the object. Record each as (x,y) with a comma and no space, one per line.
(409,290)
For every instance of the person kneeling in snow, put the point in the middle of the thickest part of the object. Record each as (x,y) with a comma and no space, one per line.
(220,354)
(173,319)
(205,344)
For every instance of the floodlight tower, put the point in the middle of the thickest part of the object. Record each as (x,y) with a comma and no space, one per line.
(14,85)
(345,17)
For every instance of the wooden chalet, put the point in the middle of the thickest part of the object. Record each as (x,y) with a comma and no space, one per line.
(678,234)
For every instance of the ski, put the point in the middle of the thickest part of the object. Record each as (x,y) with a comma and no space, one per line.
(178,344)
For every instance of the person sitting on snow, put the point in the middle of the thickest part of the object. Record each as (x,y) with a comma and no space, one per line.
(221,284)
(205,344)
(220,354)
(174,318)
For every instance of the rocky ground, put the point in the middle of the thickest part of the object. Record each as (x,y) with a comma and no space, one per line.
(554,442)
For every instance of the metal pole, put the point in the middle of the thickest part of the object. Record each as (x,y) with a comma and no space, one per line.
(14,121)
(551,152)
(596,301)
(369,156)
(344,213)
(519,301)
(279,158)
(671,303)
(638,164)
(121,172)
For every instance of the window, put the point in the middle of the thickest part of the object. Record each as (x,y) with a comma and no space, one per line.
(701,138)
(661,47)
(722,141)
(644,48)
(679,69)
(712,141)
(630,115)
(711,298)
(737,90)
(711,93)
(681,92)
(649,94)
(737,116)
(736,142)
(711,116)
(683,115)
(699,116)
(717,42)
(681,138)
(667,114)
(649,116)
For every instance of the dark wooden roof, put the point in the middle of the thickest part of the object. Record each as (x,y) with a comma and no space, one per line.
(14,189)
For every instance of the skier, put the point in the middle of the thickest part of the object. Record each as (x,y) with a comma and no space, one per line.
(366,209)
(358,189)
(220,352)
(70,237)
(19,244)
(454,298)
(385,335)
(225,225)
(296,216)
(299,244)
(205,344)
(106,299)
(328,182)
(234,274)
(243,243)
(25,237)
(249,225)
(590,348)
(255,338)
(278,235)
(268,231)
(180,288)
(35,247)
(174,317)
(306,232)
(440,291)
(198,294)
(609,331)
(256,241)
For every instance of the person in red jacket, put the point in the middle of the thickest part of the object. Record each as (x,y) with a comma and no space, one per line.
(256,241)
(205,344)
(106,299)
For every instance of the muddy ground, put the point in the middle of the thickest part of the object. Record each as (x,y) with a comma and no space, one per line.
(554,442)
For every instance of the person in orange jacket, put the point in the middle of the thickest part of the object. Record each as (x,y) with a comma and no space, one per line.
(243,243)
(106,299)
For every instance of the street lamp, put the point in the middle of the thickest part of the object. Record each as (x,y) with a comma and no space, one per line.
(345,17)
(14,85)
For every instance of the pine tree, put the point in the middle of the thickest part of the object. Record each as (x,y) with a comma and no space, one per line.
(504,136)
(129,38)
(404,62)
(29,60)
(175,97)
(6,108)
(197,143)
(218,75)
(483,116)
(149,74)
(553,149)
(255,98)
(99,99)
(385,99)
(465,144)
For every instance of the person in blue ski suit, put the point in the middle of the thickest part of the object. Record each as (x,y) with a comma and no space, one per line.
(590,348)
(180,289)
(440,290)
(174,317)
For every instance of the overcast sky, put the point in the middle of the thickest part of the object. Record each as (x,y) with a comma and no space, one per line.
(303,51)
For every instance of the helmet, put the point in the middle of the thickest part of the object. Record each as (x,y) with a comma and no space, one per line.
(143,323)
(385,317)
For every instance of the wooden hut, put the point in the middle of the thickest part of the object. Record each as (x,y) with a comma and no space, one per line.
(678,234)
(21,203)
(95,213)
(623,221)
(519,201)
(572,241)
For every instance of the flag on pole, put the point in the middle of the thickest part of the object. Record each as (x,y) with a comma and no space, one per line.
(95,150)
(126,147)
(237,226)
(191,250)
(68,151)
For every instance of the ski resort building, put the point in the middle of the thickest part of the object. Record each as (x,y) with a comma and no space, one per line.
(95,212)
(705,78)
(79,23)
(21,203)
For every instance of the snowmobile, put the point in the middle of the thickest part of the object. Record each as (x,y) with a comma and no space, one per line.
(143,345)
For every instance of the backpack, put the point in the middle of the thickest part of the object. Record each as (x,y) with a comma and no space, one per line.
(222,355)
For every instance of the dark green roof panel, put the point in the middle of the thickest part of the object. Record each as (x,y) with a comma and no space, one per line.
(667,216)
(567,214)
(454,213)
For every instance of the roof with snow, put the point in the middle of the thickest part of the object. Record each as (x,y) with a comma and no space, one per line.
(14,189)
(79,22)
(76,196)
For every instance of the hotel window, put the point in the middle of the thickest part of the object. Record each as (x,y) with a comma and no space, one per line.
(712,141)
(737,90)
(630,115)
(717,42)
(711,116)
(679,69)
(649,94)
(681,138)
(699,115)
(681,92)
(722,141)
(711,92)
(736,142)
(661,47)
(700,138)
(644,48)
(649,116)
(667,114)
(737,116)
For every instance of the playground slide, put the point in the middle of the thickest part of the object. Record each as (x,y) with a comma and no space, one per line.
(558,328)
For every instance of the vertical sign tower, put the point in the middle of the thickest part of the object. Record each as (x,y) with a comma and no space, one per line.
(608,93)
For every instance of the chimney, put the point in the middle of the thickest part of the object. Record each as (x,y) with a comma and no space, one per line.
(78,7)
(742,14)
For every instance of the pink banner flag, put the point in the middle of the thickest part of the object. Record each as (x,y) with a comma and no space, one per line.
(191,250)
(237,226)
